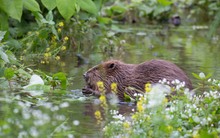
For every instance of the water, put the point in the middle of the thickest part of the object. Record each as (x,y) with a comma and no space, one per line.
(68,115)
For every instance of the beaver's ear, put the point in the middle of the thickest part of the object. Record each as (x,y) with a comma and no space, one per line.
(111,65)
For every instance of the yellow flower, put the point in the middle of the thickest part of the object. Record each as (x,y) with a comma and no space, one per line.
(42,62)
(46,55)
(102,99)
(140,105)
(100,85)
(98,116)
(61,24)
(54,38)
(57,57)
(196,135)
(59,30)
(179,129)
(165,100)
(66,38)
(21,57)
(147,87)
(47,49)
(134,116)
(169,128)
(126,125)
(63,48)
(114,87)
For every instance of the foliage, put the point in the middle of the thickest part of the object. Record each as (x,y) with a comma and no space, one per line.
(215,24)
(184,115)
(13,71)
(137,10)
(67,8)
(19,119)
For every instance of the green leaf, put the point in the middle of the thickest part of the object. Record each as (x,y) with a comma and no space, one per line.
(49,4)
(127,98)
(49,16)
(118,9)
(104,20)
(38,87)
(88,5)
(62,78)
(2,34)
(13,8)
(4,25)
(9,73)
(66,8)
(39,18)
(11,57)
(196,76)
(31,5)
(4,56)
(165,2)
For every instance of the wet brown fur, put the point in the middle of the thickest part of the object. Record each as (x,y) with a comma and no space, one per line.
(132,75)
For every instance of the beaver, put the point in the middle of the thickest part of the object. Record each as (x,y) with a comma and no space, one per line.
(131,76)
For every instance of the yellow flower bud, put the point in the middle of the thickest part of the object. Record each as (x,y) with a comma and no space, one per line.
(59,30)
(57,57)
(66,38)
(61,24)
(147,87)
(100,85)
(63,48)
(114,87)
(47,49)
(126,125)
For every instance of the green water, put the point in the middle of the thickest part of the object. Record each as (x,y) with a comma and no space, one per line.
(72,114)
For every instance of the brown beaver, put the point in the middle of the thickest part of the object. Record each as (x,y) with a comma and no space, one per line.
(132,75)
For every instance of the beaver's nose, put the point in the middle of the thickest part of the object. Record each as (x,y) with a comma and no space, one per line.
(85,75)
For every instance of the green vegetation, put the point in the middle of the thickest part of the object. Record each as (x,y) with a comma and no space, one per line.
(37,102)
(185,114)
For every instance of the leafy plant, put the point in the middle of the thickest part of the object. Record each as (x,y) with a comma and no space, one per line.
(136,10)
(184,115)
(67,8)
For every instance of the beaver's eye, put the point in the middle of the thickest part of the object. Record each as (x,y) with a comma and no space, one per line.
(111,66)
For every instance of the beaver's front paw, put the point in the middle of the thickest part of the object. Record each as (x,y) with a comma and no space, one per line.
(89,91)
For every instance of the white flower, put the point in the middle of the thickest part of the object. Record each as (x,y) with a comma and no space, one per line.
(201,75)
(157,95)
(76,122)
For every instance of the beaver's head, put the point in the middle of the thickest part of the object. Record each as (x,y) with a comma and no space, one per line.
(106,72)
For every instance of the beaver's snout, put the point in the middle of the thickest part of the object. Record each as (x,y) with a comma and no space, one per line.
(86,76)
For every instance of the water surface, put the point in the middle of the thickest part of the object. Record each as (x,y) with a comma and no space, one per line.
(186,46)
